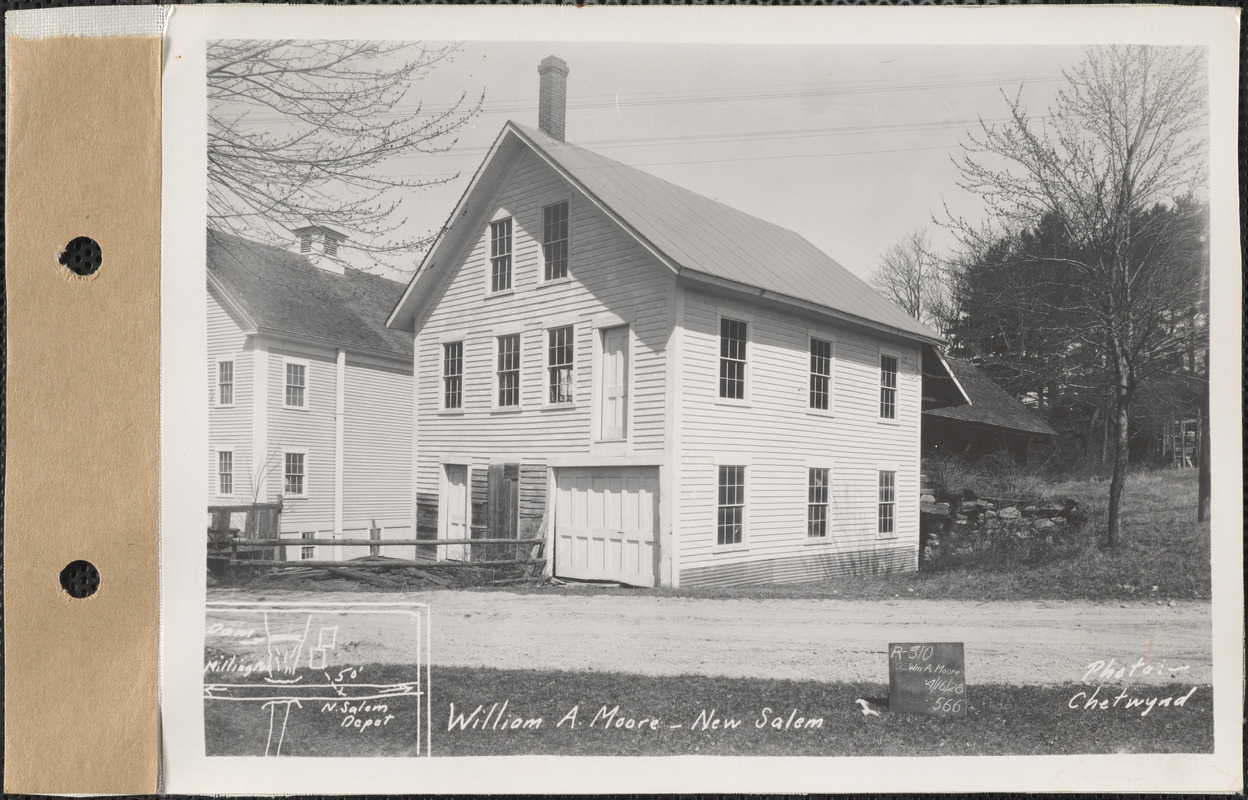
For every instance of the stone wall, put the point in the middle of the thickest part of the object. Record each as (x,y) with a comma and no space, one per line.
(955,524)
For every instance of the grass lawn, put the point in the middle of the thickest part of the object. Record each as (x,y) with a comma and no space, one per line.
(1002,720)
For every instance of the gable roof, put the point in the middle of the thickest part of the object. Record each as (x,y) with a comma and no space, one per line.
(696,235)
(283,292)
(990,404)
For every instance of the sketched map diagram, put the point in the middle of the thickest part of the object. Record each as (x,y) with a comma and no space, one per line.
(306,679)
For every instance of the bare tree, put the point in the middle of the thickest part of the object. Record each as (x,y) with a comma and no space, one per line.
(302,131)
(1126,135)
(912,276)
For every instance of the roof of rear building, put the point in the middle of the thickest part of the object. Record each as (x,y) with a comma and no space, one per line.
(990,404)
(706,236)
(284,292)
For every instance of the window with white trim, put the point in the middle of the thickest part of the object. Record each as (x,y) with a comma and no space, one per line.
(817,502)
(500,255)
(453,375)
(555,240)
(888,387)
(820,374)
(733,335)
(225,383)
(294,473)
(559,357)
(730,525)
(507,376)
(296,385)
(308,551)
(888,501)
(225,472)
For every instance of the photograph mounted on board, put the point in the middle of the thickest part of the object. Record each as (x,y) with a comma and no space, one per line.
(675,385)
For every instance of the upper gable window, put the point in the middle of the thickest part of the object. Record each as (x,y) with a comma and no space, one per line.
(500,255)
(820,374)
(733,336)
(888,387)
(555,240)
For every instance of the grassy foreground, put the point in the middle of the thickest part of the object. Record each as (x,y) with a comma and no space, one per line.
(694,715)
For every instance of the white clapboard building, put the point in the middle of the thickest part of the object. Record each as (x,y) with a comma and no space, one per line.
(310,394)
(675,392)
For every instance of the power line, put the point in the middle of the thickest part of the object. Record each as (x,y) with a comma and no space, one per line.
(746,136)
(731,160)
(780,92)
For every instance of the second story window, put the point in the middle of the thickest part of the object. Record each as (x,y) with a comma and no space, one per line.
(820,374)
(500,255)
(225,383)
(555,240)
(453,375)
(559,364)
(888,387)
(508,374)
(296,385)
(732,342)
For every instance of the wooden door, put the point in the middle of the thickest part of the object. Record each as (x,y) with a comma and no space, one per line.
(606,524)
(614,411)
(456,513)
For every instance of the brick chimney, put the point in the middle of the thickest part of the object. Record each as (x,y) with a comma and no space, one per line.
(552,100)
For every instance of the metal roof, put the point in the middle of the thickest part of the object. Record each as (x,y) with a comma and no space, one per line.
(705,236)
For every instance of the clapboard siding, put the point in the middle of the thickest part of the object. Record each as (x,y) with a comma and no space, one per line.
(609,272)
(310,429)
(229,427)
(810,566)
(377,443)
(775,436)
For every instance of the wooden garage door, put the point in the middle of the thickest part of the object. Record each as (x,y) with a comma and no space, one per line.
(606,523)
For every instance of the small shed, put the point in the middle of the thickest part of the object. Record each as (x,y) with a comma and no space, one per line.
(993,420)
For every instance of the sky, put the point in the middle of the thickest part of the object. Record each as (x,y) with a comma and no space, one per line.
(850,146)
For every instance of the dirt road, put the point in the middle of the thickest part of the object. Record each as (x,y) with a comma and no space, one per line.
(832,640)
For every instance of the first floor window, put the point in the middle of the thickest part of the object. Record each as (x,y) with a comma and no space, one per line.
(225,472)
(294,474)
(888,501)
(225,383)
(820,374)
(508,375)
(732,341)
(888,387)
(731,524)
(559,355)
(453,375)
(308,551)
(817,502)
(296,385)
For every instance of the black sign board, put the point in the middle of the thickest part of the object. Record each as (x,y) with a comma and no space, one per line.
(927,678)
